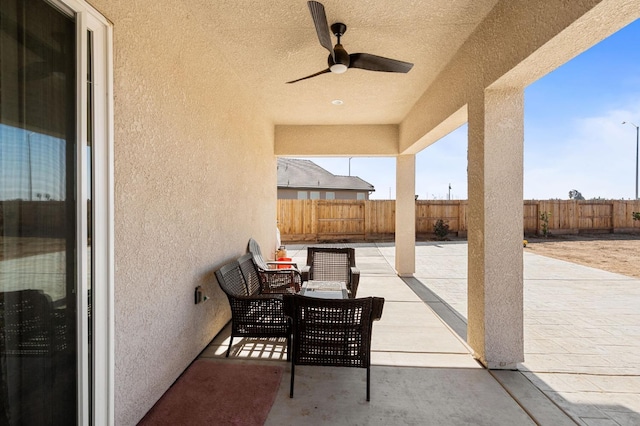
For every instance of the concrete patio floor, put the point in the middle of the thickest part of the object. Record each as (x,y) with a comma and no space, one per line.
(582,350)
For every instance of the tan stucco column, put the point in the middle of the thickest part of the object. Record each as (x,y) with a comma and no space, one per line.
(495,286)
(405,215)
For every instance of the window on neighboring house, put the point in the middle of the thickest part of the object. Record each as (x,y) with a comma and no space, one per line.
(302,195)
(314,195)
(360,196)
(330,196)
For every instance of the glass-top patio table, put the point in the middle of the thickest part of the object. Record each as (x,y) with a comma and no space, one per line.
(325,289)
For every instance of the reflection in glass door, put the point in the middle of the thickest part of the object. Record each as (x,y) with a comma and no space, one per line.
(39,181)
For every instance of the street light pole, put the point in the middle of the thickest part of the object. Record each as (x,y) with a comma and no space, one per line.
(350,166)
(637,146)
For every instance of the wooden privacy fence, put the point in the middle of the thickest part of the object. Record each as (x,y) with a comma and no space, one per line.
(371,220)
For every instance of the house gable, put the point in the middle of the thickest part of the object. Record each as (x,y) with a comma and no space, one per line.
(304,179)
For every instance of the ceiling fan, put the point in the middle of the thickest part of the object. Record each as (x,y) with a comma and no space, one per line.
(339,60)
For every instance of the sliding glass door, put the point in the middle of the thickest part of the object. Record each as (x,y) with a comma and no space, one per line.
(48,125)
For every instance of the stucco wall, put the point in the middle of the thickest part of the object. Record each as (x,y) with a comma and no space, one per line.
(374,140)
(193,159)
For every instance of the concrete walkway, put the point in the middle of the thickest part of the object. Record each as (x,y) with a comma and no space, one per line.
(582,350)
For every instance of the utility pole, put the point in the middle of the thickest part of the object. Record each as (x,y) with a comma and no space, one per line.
(637,146)
(30,170)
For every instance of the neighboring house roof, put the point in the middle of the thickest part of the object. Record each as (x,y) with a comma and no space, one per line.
(294,173)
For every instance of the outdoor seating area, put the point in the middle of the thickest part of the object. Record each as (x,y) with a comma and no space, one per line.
(422,368)
(321,321)
(418,372)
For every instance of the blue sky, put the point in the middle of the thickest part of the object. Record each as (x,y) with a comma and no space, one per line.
(574,137)
(32,165)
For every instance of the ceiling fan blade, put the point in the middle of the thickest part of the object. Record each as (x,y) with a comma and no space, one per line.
(370,62)
(322,27)
(309,76)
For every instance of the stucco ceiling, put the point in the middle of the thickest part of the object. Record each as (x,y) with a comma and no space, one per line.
(266,44)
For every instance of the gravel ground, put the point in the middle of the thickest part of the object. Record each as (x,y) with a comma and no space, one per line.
(619,253)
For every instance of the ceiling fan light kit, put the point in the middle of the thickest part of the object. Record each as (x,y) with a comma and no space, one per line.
(339,60)
(338,68)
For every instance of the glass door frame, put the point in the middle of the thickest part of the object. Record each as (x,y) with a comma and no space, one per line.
(95,378)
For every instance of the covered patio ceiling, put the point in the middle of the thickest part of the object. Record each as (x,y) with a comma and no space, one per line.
(267,44)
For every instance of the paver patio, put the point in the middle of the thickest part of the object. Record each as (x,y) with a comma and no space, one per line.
(581,329)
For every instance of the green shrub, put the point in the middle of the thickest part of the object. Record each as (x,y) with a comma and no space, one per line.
(441,229)
(544,218)
(636,215)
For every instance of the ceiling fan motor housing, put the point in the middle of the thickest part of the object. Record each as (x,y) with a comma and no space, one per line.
(341,62)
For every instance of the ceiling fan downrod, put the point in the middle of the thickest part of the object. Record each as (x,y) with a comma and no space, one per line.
(341,62)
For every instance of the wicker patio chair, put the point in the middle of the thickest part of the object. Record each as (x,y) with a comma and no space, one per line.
(29,333)
(332,264)
(254,248)
(332,332)
(286,280)
(252,314)
(28,324)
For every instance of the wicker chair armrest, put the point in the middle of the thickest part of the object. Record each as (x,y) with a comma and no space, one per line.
(376,308)
(259,297)
(273,296)
(305,272)
(355,275)
(281,263)
(281,280)
(354,281)
(276,272)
